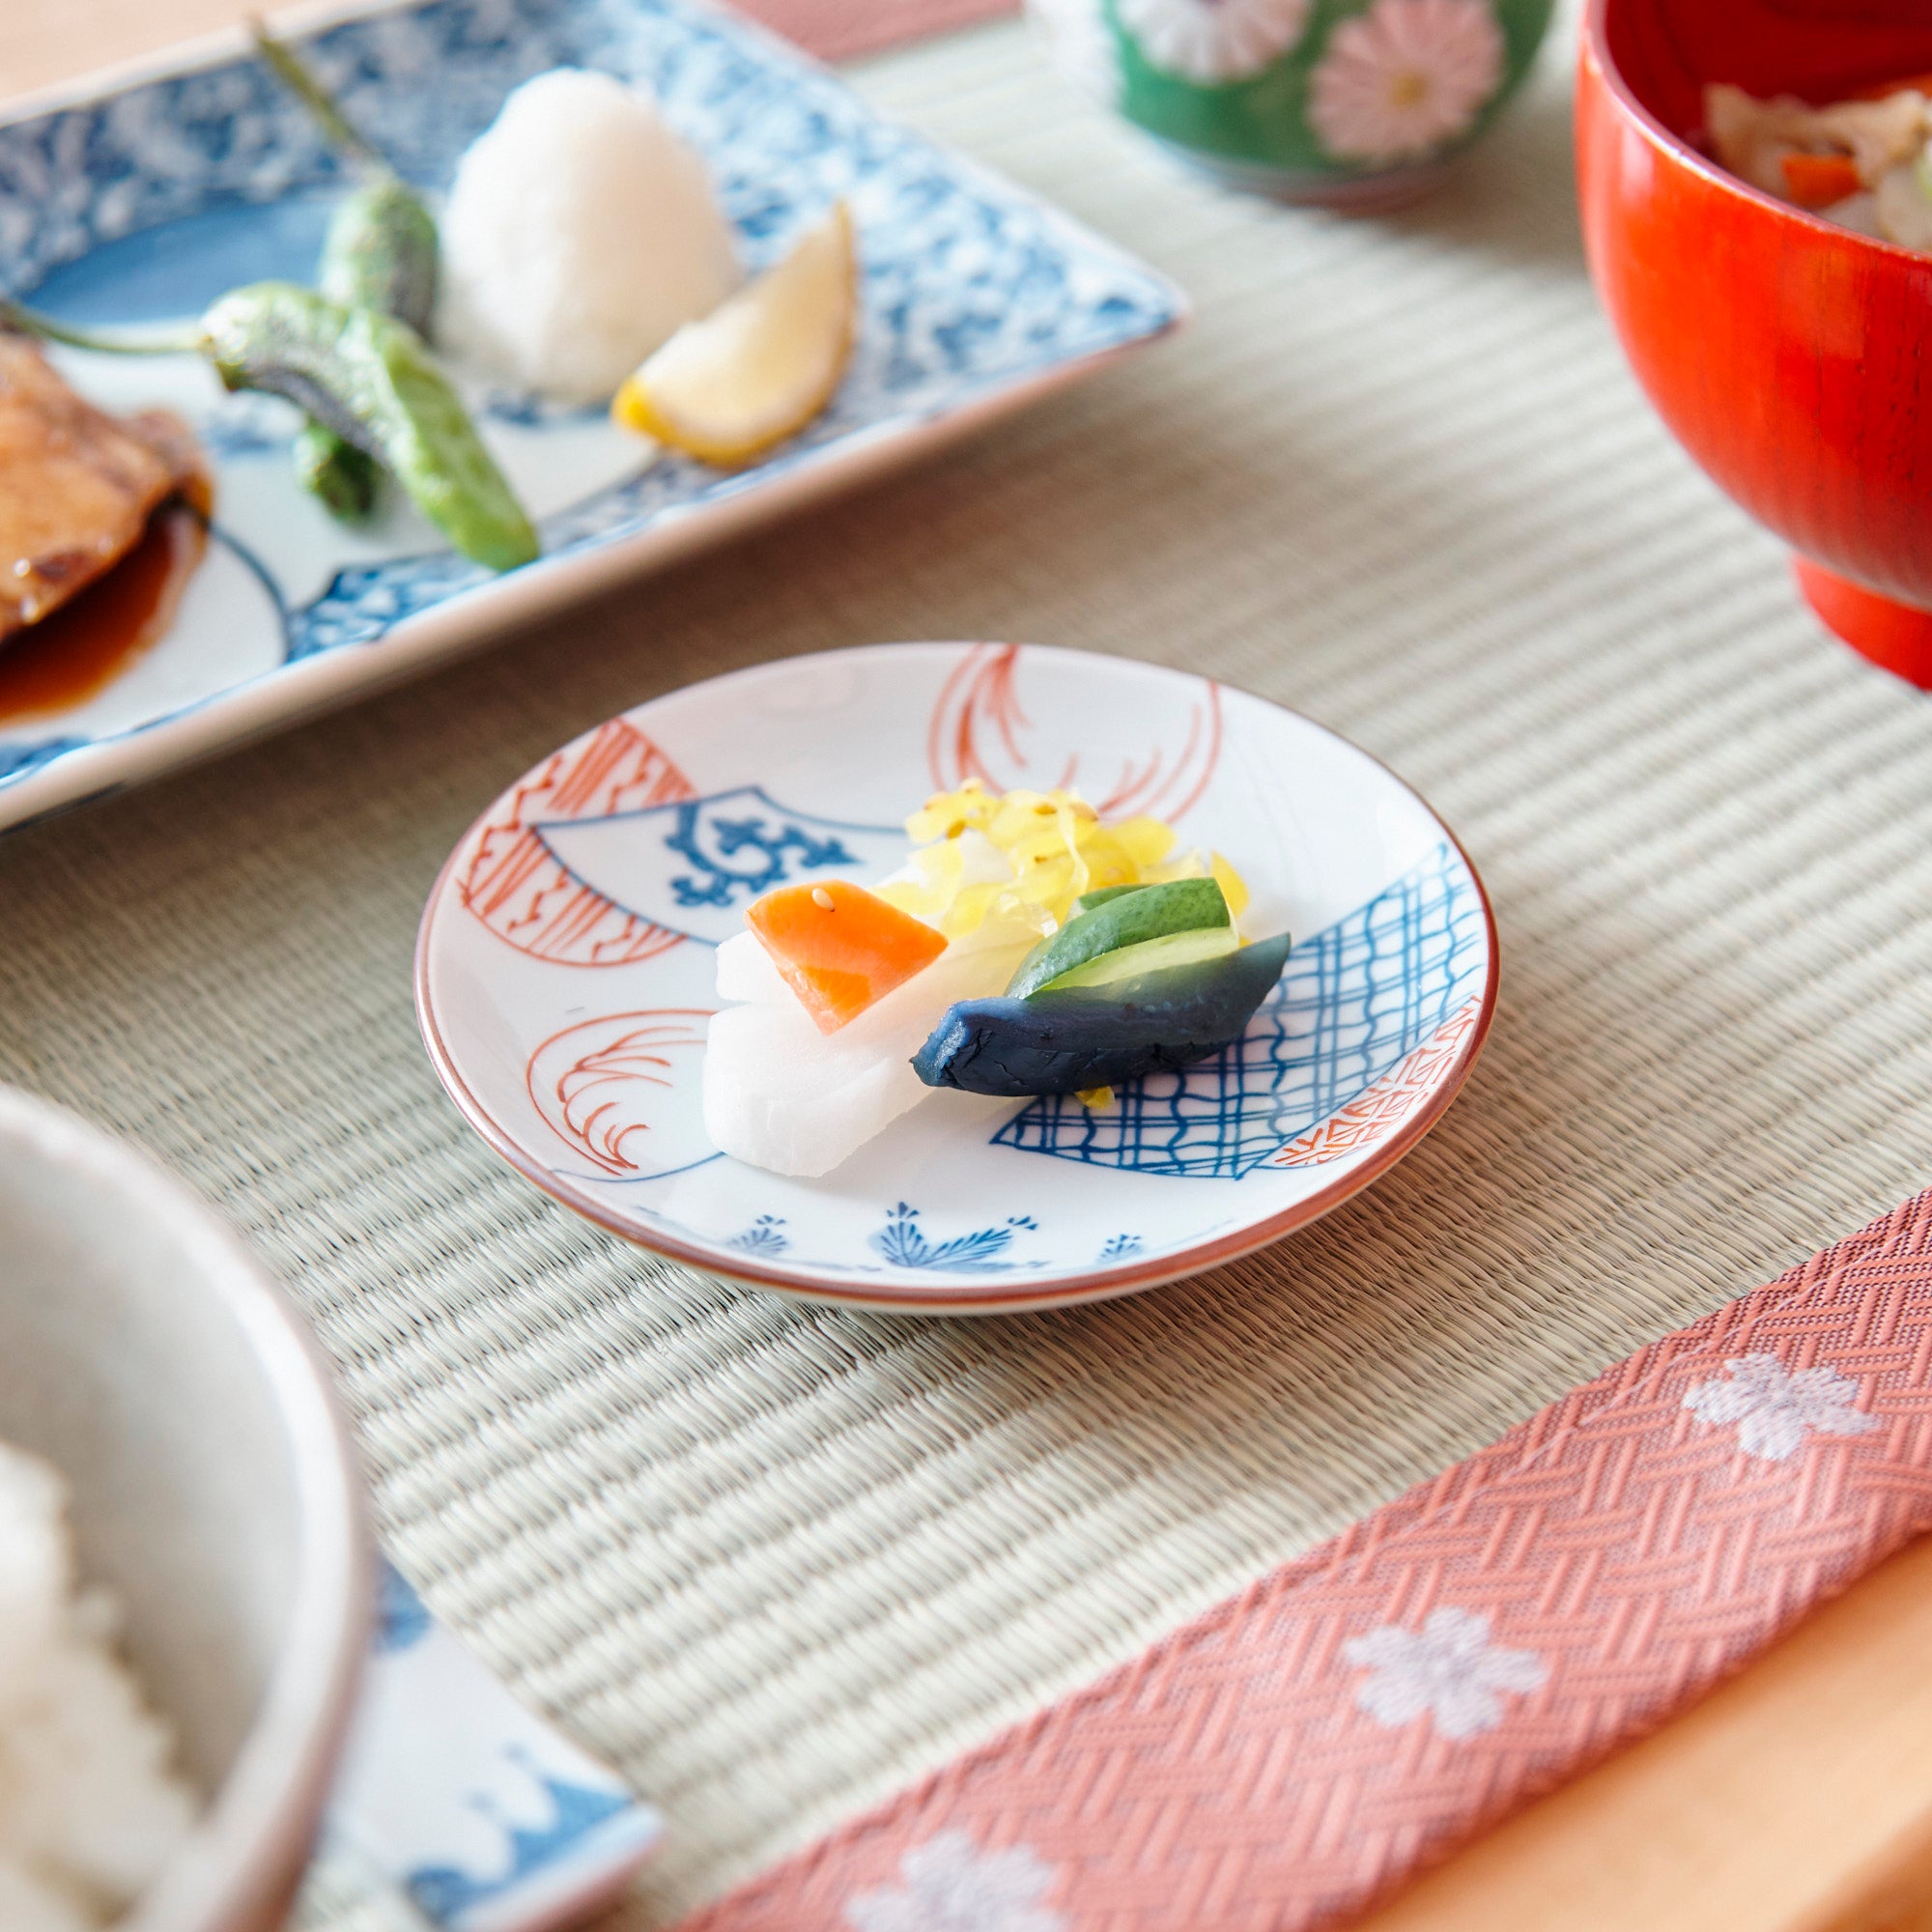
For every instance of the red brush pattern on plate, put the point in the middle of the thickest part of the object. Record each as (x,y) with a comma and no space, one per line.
(594,1085)
(527,899)
(1380,1110)
(1282,1762)
(979,730)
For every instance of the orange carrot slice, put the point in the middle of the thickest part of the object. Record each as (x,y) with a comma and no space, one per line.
(840,948)
(1817,180)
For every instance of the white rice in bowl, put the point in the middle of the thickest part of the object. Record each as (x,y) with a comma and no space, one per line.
(91,1807)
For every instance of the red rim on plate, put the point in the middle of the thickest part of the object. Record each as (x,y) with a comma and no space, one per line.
(1455,1047)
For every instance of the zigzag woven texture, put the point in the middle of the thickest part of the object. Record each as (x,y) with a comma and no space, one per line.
(1278,1764)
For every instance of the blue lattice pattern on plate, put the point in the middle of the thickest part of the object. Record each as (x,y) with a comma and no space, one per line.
(1351,1003)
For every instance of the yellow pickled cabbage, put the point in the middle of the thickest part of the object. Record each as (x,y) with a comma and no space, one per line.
(1009,865)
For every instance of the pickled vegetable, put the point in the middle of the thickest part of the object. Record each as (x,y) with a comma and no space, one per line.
(1070,1041)
(1117,932)
(840,947)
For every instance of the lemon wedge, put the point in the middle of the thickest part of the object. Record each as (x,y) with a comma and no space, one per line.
(760,366)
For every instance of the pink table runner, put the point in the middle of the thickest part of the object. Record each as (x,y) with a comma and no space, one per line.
(1291,1756)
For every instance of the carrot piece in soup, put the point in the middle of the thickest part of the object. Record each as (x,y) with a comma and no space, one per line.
(840,948)
(1817,180)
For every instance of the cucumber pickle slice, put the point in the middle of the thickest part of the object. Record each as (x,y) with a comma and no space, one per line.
(1150,955)
(1170,925)
(1100,894)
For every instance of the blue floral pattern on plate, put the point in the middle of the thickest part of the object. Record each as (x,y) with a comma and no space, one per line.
(463,1800)
(153,199)
(693,865)
(903,1245)
(765,1235)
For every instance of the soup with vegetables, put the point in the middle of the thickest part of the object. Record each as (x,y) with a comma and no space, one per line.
(1863,164)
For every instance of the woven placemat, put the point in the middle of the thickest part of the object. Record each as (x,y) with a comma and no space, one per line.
(774,1561)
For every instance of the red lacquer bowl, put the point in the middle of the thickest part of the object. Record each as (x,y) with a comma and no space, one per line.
(1792,359)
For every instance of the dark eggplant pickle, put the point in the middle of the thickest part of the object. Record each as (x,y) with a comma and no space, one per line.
(1069,1040)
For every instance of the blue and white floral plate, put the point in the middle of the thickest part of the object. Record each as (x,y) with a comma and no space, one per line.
(565,973)
(140,199)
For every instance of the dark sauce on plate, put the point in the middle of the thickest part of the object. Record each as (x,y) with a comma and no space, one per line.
(87,644)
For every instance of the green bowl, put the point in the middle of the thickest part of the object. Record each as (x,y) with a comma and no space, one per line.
(1346,102)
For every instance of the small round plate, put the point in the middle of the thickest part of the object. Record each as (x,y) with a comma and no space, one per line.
(565,974)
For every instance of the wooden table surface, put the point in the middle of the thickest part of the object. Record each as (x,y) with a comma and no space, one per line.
(1798,1798)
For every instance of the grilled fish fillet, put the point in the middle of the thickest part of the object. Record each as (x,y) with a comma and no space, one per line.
(78,485)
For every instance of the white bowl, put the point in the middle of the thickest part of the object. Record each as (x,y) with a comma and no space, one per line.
(213,1491)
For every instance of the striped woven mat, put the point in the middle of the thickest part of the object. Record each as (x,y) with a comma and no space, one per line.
(782,1564)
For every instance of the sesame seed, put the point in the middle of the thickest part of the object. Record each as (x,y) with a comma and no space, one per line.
(821,899)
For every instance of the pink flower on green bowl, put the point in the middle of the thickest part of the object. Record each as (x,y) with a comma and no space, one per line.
(1348,102)
(1212,39)
(1406,79)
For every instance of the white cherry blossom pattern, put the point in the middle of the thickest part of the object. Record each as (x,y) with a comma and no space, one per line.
(1080,38)
(948,1885)
(1213,40)
(1448,1670)
(1401,80)
(1774,1409)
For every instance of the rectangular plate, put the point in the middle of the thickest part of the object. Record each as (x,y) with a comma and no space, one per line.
(457,1808)
(145,198)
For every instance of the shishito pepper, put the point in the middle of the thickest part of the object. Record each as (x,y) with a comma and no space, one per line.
(369,377)
(346,479)
(381,253)
(372,380)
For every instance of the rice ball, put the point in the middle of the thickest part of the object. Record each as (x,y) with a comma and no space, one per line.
(581,234)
